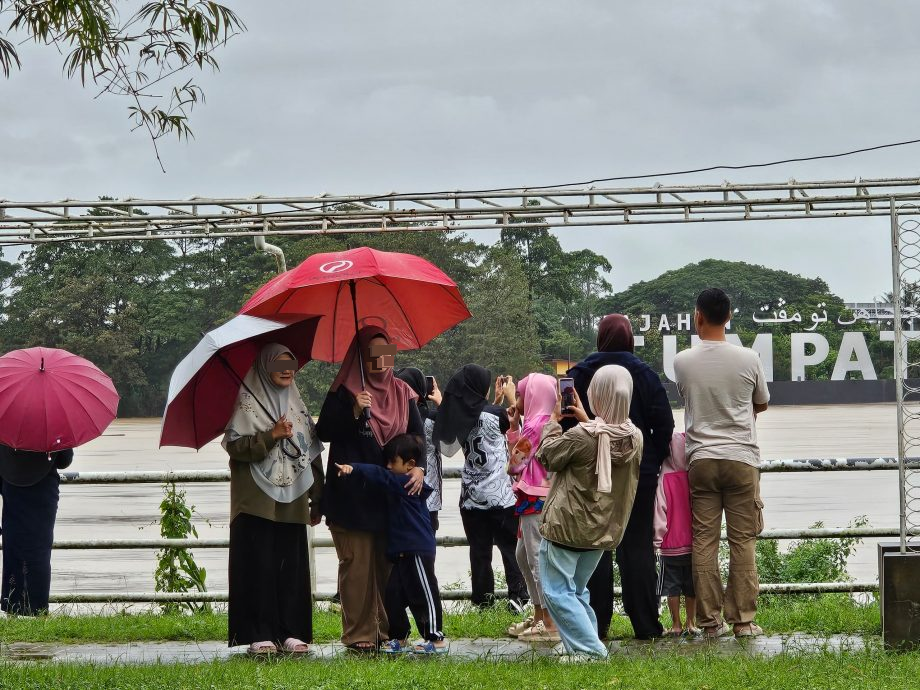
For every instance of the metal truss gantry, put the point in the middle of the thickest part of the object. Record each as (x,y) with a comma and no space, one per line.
(143,219)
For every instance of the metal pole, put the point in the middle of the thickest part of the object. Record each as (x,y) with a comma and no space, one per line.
(899,370)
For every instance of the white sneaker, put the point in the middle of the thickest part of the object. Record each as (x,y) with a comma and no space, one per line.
(539,633)
(518,628)
(579,658)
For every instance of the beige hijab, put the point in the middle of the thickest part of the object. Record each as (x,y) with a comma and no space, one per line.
(609,396)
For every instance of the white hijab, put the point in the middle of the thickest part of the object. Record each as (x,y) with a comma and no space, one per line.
(281,476)
(609,396)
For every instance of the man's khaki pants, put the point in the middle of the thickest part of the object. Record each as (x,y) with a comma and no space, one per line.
(732,486)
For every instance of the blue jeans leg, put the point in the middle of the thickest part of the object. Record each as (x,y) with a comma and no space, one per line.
(564,575)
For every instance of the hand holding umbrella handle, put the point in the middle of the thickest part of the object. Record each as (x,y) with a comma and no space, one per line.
(363,402)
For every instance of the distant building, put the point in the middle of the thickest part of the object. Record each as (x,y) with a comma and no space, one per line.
(561,366)
(880,312)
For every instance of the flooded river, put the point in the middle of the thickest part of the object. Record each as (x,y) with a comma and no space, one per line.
(131,511)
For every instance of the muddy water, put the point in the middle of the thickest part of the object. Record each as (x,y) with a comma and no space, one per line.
(131,511)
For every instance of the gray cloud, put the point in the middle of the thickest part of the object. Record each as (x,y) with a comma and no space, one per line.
(354,97)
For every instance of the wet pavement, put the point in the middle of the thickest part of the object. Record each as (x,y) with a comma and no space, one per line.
(462,650)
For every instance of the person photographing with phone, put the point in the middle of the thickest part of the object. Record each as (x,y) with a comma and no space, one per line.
(536,403)
(650,411)
(466,421)
(596,469)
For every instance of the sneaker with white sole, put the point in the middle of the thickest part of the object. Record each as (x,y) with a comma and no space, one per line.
(749,630)
(518,628)
(716,631)
(539,633)
(579,658)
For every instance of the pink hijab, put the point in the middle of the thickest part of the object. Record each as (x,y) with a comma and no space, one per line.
(539,394)
(392,396)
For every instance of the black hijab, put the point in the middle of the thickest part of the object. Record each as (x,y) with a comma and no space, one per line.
(464,398)
(416,380)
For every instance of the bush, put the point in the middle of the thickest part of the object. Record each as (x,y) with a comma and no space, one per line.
(806,560)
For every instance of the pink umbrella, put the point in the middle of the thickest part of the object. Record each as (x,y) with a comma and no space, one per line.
(51,400)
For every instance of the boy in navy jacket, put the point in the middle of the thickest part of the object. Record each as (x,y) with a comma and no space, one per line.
(410,545)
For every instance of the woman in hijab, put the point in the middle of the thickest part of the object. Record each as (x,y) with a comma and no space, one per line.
(651,412)
(358,420)
(466,420)
(29,485)
(536,402)
(428,409)
(276,479)
(596,470)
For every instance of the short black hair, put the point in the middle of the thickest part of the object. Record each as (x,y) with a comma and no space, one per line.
(405,446)
(714,305)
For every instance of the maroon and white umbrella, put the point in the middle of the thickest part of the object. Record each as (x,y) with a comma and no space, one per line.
(204,387)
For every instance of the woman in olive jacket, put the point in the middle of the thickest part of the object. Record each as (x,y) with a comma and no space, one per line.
(596,471)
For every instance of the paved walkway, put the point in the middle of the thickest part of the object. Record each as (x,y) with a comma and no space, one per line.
(505,649)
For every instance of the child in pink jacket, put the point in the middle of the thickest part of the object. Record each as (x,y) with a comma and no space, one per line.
(674,537)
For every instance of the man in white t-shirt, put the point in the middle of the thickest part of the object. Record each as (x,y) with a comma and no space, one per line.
(723,387)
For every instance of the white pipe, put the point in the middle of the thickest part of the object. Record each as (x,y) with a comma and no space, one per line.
(275,251)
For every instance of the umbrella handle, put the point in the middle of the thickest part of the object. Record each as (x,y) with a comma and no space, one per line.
(366,412)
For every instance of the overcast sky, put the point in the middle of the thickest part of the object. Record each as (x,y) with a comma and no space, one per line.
(362,97)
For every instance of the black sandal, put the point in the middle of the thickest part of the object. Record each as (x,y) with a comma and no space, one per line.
(362,647)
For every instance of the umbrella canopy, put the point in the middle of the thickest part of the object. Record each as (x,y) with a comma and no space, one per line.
(411,298)
(204,387)
(51,400)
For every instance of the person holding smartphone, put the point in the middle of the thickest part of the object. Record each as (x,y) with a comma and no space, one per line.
(650,411)
(467,421)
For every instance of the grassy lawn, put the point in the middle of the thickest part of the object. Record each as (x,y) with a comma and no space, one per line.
(828,614)
(819,671)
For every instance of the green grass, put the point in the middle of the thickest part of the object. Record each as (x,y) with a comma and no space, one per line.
(850,671)
(828,614)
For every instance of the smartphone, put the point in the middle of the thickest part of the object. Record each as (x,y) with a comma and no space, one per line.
(567,389)
(429,385)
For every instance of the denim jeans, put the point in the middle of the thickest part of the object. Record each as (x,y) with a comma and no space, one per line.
(564,575)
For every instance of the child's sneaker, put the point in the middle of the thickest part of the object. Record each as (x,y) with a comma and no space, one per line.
(428,648)
(393,647)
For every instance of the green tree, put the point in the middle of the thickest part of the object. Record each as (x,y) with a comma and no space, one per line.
(564,289)
(751,289)
(141,55)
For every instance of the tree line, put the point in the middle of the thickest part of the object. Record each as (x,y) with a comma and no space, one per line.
(136,308)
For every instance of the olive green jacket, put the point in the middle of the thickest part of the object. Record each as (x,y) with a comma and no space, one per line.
(247,497)
(575,513)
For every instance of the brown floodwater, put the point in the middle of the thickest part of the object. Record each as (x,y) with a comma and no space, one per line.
(131,511)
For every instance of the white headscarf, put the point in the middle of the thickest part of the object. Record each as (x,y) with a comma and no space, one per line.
(609,396)
(281,476)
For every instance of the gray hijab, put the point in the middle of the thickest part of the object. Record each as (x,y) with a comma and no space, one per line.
(285,474)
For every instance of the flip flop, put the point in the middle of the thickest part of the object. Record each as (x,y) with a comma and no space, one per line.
(295,647)
(262,649)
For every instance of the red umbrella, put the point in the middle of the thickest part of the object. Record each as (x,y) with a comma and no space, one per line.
(52,400)
(408,296)
(204,386)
